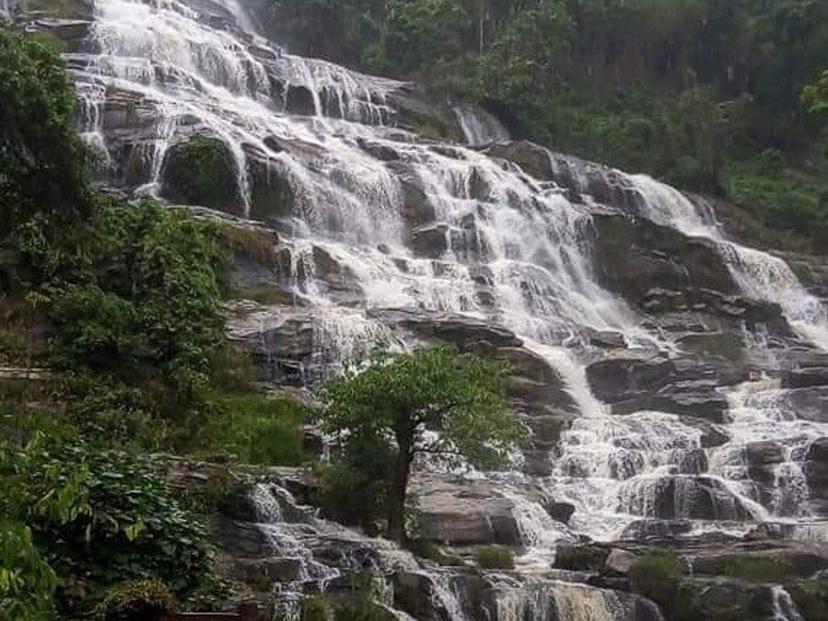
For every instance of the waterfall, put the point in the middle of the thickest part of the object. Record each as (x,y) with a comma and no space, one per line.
(373,221)
(760,275)
(479,127)
(783,607)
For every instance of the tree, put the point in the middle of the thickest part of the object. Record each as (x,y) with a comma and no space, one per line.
(397,399)
(43,163)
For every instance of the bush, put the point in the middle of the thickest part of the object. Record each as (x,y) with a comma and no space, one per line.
(101,516)
(495,557)
(138,600)
(27,583)
(314,608)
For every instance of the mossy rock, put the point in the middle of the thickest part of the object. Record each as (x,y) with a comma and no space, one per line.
(811,598)
(203,171)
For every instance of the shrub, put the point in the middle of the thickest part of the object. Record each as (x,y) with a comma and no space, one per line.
(495,557)
(314,608)
(101,516)
(27,583)
(137,600)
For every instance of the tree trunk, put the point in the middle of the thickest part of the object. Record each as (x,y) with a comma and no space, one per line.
(399,483)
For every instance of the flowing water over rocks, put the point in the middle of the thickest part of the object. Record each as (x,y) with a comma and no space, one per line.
(675,382)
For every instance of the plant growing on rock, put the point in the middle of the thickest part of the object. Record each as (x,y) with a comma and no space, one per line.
(398,399)
(137,600)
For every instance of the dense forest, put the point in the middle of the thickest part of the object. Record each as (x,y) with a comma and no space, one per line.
(704,94)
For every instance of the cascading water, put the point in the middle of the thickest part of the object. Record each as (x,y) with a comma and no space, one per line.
(398,223)
(479,127)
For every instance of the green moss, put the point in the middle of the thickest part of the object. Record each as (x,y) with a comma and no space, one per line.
(495,557)
(758,568)
(658,576)
(425,548)
(314,608)
(202,171)
(811,598)
(581,558)
(252,243)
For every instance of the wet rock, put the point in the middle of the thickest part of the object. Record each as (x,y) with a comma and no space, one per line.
(466,513)
(636,255)
(202,171)
(532,158)
(271,194)
(417,209)
(560,511)
(430,241)
(816,472)
(619,562)
(300,100)
(382,152)
(261,574)
(670,497)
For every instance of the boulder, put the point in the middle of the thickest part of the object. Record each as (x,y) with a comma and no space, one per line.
(465,513)
(430,241)
(619,562)
(634,256)
(202,171)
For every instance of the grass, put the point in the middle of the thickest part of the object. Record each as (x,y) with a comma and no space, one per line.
(254,429)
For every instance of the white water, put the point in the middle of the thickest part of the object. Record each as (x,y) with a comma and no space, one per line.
(480,127)
(515,252)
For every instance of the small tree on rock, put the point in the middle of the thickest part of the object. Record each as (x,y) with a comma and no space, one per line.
(396,399)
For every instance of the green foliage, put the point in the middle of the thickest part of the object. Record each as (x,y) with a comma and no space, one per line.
(657,576)
(815,96)
(314,608)
(101,516)
(431,388)
(27,583)
(141,304)
(781,196)
(495,557)
(43,163)
(137,600)
(389,406)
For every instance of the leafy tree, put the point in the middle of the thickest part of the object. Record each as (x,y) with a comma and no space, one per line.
(396,400)
(43,163)
(27,583)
